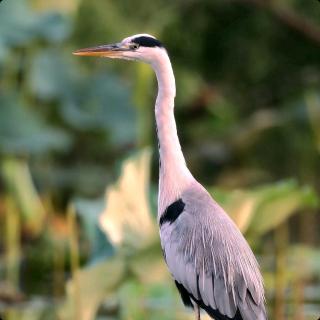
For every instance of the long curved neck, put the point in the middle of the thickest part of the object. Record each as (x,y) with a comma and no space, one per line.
(174,175)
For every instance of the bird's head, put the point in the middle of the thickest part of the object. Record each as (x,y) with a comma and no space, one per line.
(141,47)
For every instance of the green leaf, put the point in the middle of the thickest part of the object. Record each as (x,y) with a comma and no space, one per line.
(89,287)
(89,212)
(279,202)
(51,75)
(96,102)
(25,132)
(126,218)
(19,25)
(304,261)
(262,209)
(20,185)
(102,101)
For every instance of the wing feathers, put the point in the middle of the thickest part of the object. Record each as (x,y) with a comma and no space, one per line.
(224,298)
(207,255)
(206,287)
(250,310)
(185,297)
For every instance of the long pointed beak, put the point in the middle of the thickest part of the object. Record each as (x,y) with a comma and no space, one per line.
(109,50)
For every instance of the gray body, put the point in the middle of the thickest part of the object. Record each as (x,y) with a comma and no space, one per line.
(206,254)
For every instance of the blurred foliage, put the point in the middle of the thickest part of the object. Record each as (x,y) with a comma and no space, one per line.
(16,174)
(262,209)
(78,234)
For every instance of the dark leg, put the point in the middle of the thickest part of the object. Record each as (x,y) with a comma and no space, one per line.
(197,311)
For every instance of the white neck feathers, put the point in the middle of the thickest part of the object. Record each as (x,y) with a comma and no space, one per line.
(174,175)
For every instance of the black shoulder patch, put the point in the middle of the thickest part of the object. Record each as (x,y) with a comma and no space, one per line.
(147,41)
(172,212)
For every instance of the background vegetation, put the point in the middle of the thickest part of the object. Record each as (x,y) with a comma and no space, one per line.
(78,183)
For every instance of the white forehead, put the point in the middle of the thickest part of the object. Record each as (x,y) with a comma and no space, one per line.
(129,39)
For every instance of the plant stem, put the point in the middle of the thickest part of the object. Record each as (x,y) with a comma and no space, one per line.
(12,243)
(281,244)
(74,257)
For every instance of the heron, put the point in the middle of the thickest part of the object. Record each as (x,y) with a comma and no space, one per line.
(213,266)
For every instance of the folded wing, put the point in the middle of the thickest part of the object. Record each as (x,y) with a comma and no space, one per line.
(211,261)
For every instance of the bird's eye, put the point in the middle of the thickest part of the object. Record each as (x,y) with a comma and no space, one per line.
(134,46)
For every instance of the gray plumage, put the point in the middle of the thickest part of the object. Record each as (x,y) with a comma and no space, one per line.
(207,254)
(209,259)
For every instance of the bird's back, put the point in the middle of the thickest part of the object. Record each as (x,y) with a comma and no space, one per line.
(209,258)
